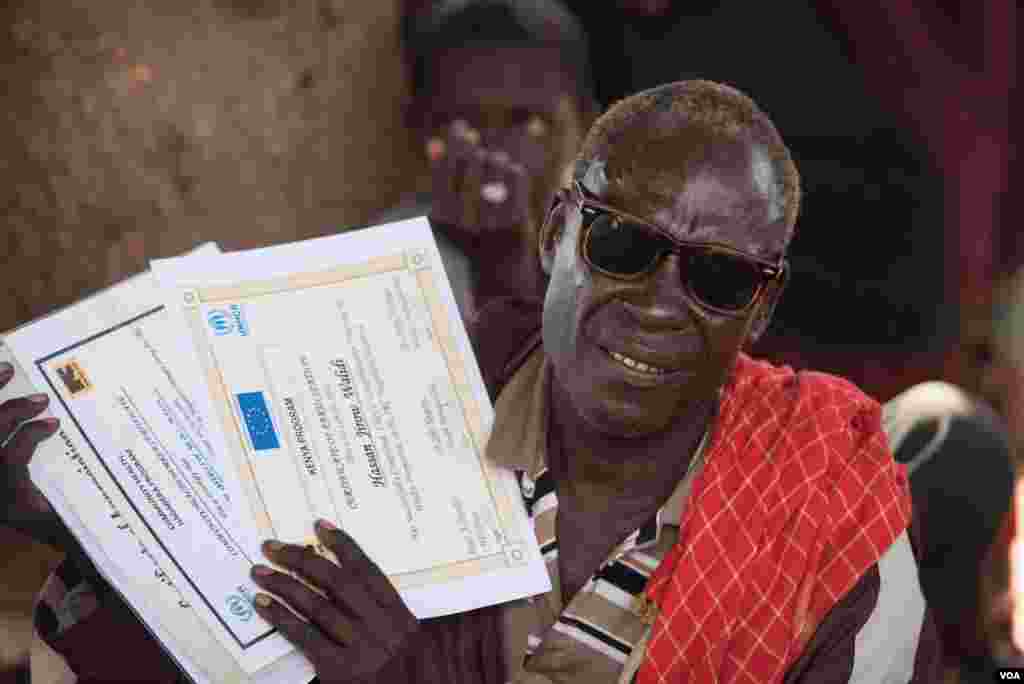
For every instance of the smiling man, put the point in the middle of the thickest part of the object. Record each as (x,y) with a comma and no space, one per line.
(704,517)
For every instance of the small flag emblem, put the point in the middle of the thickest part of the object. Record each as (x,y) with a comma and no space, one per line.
(258,423)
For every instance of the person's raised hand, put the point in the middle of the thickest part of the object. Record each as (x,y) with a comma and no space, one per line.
(483,193)
(359,624)
(22,505)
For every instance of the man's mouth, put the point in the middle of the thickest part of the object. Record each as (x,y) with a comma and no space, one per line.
(637,365)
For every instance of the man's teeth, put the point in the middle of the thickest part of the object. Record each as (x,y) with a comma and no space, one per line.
(636,365)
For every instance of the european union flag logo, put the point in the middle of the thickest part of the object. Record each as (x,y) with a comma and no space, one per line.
(257,421)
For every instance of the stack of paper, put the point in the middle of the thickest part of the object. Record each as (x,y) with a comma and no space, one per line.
(223,399)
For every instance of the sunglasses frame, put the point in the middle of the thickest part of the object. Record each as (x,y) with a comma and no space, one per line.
(770,271)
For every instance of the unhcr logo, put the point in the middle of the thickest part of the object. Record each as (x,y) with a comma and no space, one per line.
(240,607)
(220,322)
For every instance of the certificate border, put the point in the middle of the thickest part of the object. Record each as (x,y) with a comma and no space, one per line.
(40,366)
(416,262)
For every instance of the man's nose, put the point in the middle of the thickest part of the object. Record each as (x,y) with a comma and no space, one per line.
(663,297)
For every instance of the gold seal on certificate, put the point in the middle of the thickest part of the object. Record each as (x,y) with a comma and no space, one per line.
(73,377)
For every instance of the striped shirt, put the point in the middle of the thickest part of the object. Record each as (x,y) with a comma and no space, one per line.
(593,637)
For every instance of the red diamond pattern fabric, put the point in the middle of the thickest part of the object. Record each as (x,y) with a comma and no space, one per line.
(798,498)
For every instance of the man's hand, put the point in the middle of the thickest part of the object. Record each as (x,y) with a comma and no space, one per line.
(356,628)
(22,505)
(482,192)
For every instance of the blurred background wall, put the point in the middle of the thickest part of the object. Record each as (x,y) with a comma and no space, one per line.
(136,130)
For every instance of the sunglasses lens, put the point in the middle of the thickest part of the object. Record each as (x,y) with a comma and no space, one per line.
(722,282)
(619,247)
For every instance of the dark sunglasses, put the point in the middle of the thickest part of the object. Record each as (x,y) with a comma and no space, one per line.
(719,278)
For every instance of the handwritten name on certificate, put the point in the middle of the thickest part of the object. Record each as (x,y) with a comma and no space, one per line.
(349,393)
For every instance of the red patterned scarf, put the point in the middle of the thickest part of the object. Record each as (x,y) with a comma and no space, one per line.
(798,498)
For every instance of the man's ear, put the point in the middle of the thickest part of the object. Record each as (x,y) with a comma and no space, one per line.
(766,307)
(551,231)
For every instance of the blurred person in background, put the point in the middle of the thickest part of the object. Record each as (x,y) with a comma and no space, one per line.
(957,452)
(501,96)
(962,450)
(1004,380)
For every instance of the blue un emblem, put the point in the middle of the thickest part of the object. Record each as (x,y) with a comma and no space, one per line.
(240,607)
(221,323)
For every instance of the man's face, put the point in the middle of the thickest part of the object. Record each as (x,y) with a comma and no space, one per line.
(697,189)
(518,100)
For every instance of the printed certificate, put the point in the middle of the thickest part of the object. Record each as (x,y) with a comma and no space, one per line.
(139,475)
(347,390)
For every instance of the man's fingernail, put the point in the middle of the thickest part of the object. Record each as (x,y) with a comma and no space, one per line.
(262,570)
(327,525)
(263,601)
(6,369)
(38,398)
(51,423)
(273,546)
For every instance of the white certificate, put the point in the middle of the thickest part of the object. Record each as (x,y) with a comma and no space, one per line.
(347,390)
(138,464)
